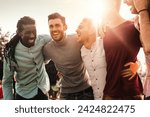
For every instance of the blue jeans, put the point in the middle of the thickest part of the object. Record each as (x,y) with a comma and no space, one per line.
(86,94)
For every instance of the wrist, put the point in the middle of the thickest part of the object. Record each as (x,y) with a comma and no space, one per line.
(142,10)
(144,17)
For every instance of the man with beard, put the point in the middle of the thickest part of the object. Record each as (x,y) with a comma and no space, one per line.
(64,50)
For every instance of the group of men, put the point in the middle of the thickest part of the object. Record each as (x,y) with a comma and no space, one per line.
(90,64)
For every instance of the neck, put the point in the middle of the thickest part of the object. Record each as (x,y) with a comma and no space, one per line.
(62,41)
(88,43)
(26,45)
(115,20)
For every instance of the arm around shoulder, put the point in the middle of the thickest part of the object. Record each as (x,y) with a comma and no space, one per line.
(45,38)
(46,52)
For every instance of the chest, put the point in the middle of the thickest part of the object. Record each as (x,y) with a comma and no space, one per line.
(66,55)
(28,58)
(122,40)
(94,58)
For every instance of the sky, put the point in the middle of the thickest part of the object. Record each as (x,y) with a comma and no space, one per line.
(74,10)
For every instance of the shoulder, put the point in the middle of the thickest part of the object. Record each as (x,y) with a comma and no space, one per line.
(130,25)
(71,35)
(73,39)
(44,38)
(41,36)
(50,46)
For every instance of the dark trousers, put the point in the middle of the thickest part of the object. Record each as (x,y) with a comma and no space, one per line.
(39,96)
(86,94)
(136,97)
(147,98)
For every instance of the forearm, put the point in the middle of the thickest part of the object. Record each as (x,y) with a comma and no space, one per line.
(7,91)
(145,30)
(7,81)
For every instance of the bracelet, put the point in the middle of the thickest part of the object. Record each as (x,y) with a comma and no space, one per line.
(142,10)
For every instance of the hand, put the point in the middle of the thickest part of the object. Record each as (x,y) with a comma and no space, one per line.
(60,75)
(141,4)
(102,30)
(131,70)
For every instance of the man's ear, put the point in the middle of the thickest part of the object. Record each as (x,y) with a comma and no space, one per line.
(92,30)
(65,27)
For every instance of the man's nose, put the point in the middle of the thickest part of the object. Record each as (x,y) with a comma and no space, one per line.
(54,28)
(32,35)
(76,30)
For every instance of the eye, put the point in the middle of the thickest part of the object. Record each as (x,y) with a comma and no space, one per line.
(57,25)
(80,27)
(50,26)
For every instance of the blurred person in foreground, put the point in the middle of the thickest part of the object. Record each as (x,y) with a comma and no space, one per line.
(142,22)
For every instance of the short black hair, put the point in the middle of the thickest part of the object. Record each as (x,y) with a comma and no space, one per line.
(24,21)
